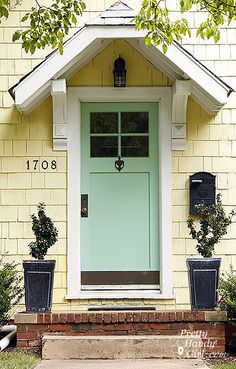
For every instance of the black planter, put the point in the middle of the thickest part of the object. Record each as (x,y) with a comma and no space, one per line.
(204,282)
(39,277)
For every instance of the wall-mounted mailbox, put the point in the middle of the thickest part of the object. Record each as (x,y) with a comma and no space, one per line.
(202,189)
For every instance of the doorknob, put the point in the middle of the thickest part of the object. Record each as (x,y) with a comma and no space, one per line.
(84,205)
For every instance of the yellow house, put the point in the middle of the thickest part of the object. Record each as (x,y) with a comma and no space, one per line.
(107,135)
(118,191)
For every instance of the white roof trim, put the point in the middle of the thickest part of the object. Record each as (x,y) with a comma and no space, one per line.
(207,89)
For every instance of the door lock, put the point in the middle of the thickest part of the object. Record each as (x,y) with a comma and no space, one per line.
(84,206)
(84,211)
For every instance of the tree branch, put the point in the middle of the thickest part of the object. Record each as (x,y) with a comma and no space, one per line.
(216,9)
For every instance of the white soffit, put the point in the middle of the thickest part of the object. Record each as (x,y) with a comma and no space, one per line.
(116,23)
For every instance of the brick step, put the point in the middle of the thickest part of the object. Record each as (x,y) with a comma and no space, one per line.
(119,347)
(209,324)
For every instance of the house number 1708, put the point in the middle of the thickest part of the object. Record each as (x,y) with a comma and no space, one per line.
(45,164)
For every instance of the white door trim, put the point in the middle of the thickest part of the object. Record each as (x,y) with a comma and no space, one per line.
(76,95)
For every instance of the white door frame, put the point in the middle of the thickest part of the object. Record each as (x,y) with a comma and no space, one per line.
(163,96)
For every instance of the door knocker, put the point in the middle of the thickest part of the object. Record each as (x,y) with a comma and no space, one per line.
(119,164)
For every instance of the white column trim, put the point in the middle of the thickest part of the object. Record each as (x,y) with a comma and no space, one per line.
(73,197)
(165,195)
(59,103)
(163,95)
(181,91)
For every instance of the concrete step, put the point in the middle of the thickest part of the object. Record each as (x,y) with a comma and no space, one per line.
(119,347)
(123,364)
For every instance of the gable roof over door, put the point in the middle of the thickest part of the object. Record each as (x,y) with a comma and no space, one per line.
(117,22)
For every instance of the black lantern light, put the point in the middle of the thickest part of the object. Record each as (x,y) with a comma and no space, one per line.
(119,73)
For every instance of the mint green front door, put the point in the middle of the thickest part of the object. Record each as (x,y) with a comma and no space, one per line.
(119,211)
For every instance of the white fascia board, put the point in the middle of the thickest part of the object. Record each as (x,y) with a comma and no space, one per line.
(157,58)
(33,100)
(175,63)
(82,59)
(201,76)
(205,100)
(55,65)
(48,69)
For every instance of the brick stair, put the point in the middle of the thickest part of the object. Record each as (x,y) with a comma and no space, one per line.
(209,324)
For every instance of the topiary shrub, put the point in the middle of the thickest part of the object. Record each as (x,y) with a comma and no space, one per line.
(11,290)
(213,226)
(45,232)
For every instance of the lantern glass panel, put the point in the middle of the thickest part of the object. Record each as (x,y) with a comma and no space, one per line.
(119,73)
(119,78)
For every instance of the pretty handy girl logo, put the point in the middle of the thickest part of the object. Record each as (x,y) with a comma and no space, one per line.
(196,344)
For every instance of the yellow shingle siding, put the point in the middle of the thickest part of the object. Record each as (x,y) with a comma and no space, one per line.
(99,71)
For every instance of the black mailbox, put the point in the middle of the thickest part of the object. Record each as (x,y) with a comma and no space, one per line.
(202,189)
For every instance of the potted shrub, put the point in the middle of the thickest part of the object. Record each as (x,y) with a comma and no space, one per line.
(39,274)
(204,272)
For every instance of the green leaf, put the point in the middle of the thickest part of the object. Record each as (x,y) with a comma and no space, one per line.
(16,36)
(164,48)
(4,12)
(55,19)
(32,23)
(217,37)
(83,6)
(60,48)
(148,41)
(60,36)
(32,49)
(74,20)
(208,33)
(26,16)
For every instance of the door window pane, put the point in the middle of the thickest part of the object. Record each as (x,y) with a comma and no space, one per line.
(134,122)
(134,146)
(103,122)
(105,146)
